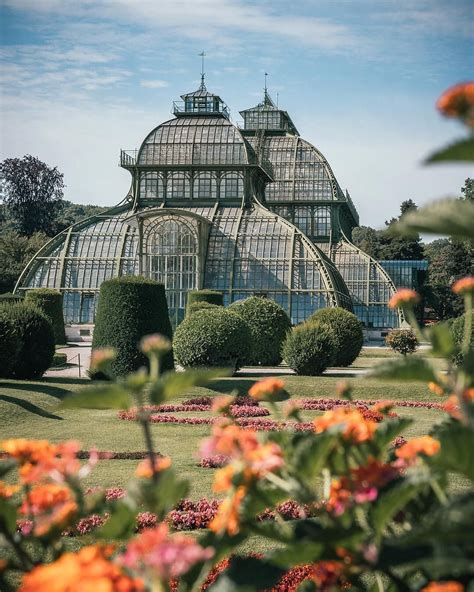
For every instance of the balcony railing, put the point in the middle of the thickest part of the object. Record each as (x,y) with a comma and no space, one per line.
(180,108)
(128,158)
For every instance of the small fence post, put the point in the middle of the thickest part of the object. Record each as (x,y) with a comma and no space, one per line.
(79,358)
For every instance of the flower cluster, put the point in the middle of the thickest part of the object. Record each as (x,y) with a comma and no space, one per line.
(354,427)
(411,450)
(458,102)
(267,389)
(362,485)
(91,566)
(156,553)
(213,462)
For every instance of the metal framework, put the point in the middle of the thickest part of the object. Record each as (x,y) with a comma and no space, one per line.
(251,210)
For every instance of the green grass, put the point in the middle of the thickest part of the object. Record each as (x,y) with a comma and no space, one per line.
(28,409)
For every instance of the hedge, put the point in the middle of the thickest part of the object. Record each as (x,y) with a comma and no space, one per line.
(402,341)
(9,343)
(195,306)
(268,324)
(129,308)
(203,296)
(36,339)
(215,337)
(347,331)
(310,348)
(51,303)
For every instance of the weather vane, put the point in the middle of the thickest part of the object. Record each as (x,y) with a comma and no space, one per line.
(202,54)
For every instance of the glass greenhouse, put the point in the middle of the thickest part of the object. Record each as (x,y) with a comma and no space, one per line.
(243,210)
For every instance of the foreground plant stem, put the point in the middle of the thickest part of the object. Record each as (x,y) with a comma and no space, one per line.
(22,555)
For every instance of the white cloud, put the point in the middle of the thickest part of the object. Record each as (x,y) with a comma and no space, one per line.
(154,83)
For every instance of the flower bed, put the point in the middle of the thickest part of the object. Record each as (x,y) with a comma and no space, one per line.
(213,462)
(327,404)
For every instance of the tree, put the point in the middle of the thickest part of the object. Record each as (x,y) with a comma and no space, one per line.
(468,190)
(386,243)
(15,252)
(32,192)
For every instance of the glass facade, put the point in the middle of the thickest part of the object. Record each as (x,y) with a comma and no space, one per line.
(242,211)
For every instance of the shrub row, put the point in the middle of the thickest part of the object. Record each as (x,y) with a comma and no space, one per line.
(50,302)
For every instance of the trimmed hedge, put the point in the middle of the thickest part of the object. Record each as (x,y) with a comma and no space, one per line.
(129,308)
(59,359)
(51,303)
(347,331)
(310,348)
(268,324)
(195,306)
(10,297)
(36,339)
(9,343)
(196,297)
(212,338)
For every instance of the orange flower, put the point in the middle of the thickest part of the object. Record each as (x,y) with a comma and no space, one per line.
(40,460)
(404,298)
(227,518)
(340,496)
(7,491)
(464,285)
(448,586)
(222,403)
(383,406)
(436,389)
(144,468)
(266,389)
(50,505)
(458,101)
(468,395)
(223,478)
(355,427)
(423,445)
(88,570)
(451,406)
(343,389)
(329,575)
(100,358)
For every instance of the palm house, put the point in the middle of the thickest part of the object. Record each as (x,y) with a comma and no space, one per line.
(248,210)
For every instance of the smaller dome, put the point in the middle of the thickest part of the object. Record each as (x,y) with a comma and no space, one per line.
(200,102)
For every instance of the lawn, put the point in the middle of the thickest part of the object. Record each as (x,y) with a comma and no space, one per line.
(29,410)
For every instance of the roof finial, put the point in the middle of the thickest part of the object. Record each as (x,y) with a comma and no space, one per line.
(203,86)
(265,87)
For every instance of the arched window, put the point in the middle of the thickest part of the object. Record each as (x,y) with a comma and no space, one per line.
(322,221)
(151,186)
(171,258)
(205,186)
(178,186)
(303,219)
(232,186)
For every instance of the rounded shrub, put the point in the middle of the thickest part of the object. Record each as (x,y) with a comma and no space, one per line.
(196,306)
(9,343)
(129,308)
(347,331)
(51,303)
(310,348)
(36,340)
(216,337)
(268,324)
(403,341)
(195,297)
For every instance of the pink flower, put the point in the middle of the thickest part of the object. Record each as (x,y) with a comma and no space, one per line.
(157,553)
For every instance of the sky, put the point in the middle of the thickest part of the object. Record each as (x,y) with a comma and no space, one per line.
(360,78)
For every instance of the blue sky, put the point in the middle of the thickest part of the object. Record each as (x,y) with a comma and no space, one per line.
(84,78)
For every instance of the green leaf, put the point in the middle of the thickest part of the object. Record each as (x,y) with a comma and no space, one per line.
(172,384)
(248,574)
(8,515)
(309,453)
(121,523)
(394,500)
(442,340)
(457,448)
(460,150)
(409,368)
(297,552)
(6,466)
(452,217)
(101,396)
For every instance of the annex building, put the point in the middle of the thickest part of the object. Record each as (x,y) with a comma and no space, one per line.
(243,210)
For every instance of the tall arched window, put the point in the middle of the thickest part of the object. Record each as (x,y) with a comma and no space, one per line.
(322,221)
(232,186)
(205,186)
(171,258)
(151,186)
(178,186)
